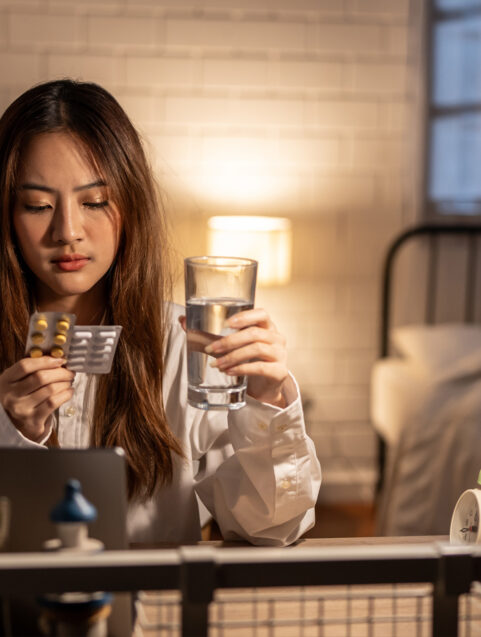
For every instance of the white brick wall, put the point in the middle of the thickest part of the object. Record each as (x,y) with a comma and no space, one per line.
(310,98)
(121,32)
(100,68)
(260,34)
(31,30)
(157,71)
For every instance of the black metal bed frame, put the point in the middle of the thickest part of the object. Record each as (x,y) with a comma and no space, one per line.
(433,232)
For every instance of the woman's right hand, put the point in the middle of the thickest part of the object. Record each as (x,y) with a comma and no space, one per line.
(31,390)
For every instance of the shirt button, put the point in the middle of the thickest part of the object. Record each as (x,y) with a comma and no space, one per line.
(285,484)
(282,428)
(70,411)
(262,425)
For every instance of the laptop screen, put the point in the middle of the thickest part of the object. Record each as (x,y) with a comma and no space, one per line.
(34,481)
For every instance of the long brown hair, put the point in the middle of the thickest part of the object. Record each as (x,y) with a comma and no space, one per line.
(128,409)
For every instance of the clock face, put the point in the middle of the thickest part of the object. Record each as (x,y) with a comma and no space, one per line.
(465,527)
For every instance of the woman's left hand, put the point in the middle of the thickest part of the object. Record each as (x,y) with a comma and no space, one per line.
(256,350)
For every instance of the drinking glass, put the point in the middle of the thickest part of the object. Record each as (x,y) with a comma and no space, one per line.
(216,288)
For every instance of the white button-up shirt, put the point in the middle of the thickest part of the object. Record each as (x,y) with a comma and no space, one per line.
(255,469)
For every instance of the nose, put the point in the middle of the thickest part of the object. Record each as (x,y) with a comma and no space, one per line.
(67,226)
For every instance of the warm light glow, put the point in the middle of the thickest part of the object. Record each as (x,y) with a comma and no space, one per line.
(230,182)
(266,239)
(244,174)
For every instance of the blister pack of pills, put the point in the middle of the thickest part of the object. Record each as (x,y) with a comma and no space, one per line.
(50,333)
(87,348)
(92,348)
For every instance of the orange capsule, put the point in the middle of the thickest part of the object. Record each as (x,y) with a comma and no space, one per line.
(41,323)
(59,339)
(37,338)
(63,325)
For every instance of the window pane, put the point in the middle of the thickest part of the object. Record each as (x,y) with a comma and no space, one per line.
(456,5)
(455,163)
(456,62)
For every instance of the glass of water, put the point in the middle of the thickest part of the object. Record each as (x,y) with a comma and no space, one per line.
(215,289)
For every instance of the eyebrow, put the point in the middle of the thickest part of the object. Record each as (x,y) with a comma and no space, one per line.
(32,186)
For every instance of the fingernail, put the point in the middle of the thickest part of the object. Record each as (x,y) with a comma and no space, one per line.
(213,363)
(233,321)
(208,349)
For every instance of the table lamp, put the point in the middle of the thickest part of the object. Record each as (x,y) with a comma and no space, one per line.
(265,239)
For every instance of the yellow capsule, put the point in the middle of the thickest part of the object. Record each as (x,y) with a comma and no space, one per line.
(37,338)
(35,352)
(63,325)
(56,352)
(41,324)
(59,339)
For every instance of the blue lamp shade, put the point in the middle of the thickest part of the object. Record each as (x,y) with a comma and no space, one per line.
(74,507)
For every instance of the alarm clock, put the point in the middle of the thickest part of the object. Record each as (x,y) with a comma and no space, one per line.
(465,521)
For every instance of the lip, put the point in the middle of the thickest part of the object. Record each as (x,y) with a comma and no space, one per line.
(71,262)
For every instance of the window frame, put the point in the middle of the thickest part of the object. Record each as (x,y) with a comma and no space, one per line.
(434,16)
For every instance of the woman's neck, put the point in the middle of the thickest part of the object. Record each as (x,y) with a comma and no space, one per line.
(89,307)
(85,315)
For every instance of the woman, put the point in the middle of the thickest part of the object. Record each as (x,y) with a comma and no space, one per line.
(82,232)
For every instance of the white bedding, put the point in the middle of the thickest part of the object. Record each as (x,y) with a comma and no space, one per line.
(427,406)
(395,386)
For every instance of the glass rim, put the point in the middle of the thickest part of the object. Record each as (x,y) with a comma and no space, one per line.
(225,262)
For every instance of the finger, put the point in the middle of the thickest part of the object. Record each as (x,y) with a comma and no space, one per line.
(183,322)
(253,351)
(41,378)
(26,366)
(33,425)
(31,402)
(50,404)
(276,372)
(256,316)
(199,341)
(242,338)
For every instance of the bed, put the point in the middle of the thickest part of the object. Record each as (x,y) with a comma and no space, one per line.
(426,385)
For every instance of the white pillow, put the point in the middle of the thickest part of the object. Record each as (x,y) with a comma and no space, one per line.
(435,347)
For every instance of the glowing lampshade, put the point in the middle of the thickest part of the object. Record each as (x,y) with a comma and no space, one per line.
(266,239)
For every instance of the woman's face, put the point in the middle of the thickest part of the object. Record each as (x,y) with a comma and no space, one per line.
(67,228)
